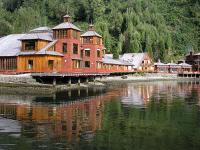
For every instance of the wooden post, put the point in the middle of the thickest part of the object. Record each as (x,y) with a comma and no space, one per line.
(87,91)
(79,92)
(87,80)
(79,81)
(54,81)
(69,81)
(69,93)
(94,80)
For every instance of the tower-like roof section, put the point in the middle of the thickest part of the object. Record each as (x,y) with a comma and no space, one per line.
(91,32)
(66,24)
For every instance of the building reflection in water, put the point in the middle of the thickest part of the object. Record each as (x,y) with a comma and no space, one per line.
(139,94)
(81,118)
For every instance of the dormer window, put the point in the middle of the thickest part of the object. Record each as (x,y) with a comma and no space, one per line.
(29,45)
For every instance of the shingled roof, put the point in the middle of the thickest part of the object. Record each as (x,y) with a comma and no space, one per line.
(133,58)
(10,45)
(108,59)
(66,25)
(41,29)
(91,33)
(48,36)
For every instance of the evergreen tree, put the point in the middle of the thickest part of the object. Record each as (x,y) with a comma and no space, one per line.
(161,28)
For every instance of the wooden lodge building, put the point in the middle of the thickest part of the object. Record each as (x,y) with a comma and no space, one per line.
(63,49)
(194,60)
(172,67)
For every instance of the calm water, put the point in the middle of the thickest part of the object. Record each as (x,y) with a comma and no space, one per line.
(134,116)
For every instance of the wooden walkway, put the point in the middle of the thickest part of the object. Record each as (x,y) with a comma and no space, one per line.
(68,74)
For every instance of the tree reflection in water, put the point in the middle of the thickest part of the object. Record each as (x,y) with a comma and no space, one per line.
(158,115)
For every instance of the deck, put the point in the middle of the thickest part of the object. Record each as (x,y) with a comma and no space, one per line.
(189,74)
(68,74)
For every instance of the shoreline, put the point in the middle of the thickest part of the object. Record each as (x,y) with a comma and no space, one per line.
(144,78)
(27,85)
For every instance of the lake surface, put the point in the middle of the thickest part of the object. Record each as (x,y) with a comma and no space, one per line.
(133,116)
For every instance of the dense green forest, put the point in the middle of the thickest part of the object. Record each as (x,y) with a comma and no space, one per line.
(166,29)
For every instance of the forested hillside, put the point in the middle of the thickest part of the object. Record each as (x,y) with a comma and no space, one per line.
(166,29)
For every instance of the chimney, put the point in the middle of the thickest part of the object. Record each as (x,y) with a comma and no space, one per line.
(91,27)
(67,18)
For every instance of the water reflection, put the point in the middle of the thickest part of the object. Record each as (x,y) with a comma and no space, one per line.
(80,116)
(140,94)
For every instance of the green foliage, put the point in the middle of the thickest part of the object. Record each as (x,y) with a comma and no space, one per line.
(164,29)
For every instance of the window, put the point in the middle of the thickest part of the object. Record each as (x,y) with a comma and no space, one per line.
(60,34)
(75,48)
(99,65)
(65,33)
(75,34)
(64,48)
(88,40)
(30,64)
(50,64)
(87,64)
(98,53)
(76,63)
(98,41)
(87,53)
(30,45)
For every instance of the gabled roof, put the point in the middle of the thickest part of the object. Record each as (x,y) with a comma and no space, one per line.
(160,64)
(112,61)
(42,29)
(108,59)
(133,58)
(45,50)
(48,36)
(185,65)
(91,33)
(108,56)
(172,64)
(10,45)
(66,25)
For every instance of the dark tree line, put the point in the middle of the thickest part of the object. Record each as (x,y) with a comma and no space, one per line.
(166,29)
